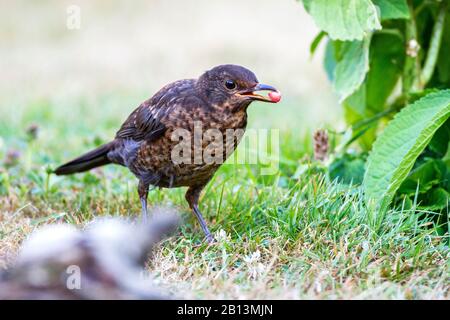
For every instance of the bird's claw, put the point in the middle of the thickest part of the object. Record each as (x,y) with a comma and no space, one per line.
(210,239)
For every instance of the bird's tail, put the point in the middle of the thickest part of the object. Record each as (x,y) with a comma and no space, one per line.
(95,158)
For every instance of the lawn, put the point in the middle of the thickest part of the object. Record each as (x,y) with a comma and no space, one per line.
(278,237)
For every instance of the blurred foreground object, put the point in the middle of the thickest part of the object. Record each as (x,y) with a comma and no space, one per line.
(104,261)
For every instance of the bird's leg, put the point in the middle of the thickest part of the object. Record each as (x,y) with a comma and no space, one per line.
(192,195)
(143,194)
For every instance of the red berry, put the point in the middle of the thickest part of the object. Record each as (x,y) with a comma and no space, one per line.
(275,96)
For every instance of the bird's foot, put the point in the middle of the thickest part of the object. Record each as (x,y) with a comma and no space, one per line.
(210,239)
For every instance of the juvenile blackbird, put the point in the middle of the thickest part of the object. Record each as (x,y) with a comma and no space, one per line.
(144,144)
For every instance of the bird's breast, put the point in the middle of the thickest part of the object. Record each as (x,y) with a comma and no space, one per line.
(193,147)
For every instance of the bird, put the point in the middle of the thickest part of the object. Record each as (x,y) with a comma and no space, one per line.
(158,141)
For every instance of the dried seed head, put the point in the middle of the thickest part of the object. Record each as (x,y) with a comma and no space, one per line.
(32,131)
(321,146)
(12,158)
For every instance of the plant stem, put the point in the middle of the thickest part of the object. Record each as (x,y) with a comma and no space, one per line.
(435,44)
(411,70)
(375,117)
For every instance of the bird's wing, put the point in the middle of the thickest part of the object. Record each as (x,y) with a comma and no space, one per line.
(143,124)
(146,122)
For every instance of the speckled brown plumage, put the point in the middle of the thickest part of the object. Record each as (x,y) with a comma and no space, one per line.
(218,99)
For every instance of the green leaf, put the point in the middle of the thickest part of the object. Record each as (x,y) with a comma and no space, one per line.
(356,103)
(344,19)
(315,43)
(446,157)
(307,4)
(329,60)
(347,169)
(385,68)
(355,111)
(392,9)
(425,176)
(351,70)
(438,199)
(440,141)
(397,148)
(446,180)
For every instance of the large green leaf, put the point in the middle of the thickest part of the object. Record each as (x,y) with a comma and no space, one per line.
(397,148)
(385,67)
(344,19)
(351,70)
(392,9)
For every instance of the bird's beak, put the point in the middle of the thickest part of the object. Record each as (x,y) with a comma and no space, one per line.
(274,94)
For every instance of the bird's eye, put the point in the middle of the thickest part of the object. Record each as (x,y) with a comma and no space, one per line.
(230,84)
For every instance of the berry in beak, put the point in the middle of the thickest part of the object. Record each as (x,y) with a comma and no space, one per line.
(274,95)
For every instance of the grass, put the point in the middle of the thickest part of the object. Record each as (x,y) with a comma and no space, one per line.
(278,237)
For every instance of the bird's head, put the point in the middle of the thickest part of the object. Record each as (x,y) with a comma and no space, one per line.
(234,86)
